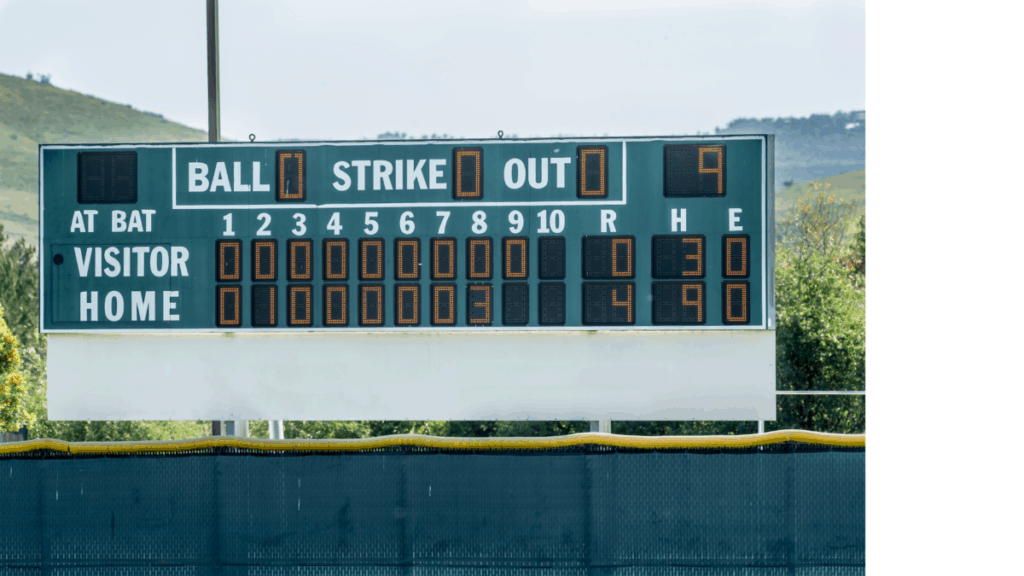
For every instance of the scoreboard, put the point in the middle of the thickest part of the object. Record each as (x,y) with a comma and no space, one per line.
(590,278)
(631,234)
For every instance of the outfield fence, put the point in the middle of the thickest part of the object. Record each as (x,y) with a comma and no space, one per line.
(787,502)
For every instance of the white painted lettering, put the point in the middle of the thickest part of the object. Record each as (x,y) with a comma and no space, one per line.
(197,181)
(414,174)
(168,306)
(77,222)
(435,173)
(179,256)
(88,306)
(135,222)
(608,220)
(398,174)
(117,221)
(113,266)
(158,261)
(543,182)
(678,220)
(220,178)
(113,306)
(560,164)
(140,260)
(143,307)
(515,183)
(126,264)
(83,264)
(258,186)
(734,220)
(149,219)
(381,173)
(91,216)
(361,166)
(239,187)
(339,172)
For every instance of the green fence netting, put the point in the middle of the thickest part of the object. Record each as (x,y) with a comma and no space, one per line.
(586,504)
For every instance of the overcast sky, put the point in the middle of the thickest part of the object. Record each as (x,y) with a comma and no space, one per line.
(340,70)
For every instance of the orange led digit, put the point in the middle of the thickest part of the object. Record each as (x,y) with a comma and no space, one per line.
(713,166)
(336,259)
(591,171)
(735,248)
(407,304)
(229,306)
(479,258)
(335,305)
(696,255)
(627,303)
(622,265)
(229,260)
(608,303)
(677,303)
(735,304)
(300,259)
(371,304)
(264,260)
(300,305)
(677,256)
(407,259)
(444,261)
(291,175)
(264,305)
(468,166)
(698,302)
(516,252)
(478,303)
(371,259)
(443,310)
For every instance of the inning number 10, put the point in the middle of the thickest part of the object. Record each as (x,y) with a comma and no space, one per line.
(556,222)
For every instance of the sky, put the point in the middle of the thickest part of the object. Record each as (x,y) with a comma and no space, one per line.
(341,70)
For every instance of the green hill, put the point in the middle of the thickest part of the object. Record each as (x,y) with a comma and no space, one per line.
(847,186)
(32,113)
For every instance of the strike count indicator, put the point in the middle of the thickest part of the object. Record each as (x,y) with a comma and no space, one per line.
(666,233)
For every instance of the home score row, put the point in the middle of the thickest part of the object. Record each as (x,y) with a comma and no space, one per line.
(636,233)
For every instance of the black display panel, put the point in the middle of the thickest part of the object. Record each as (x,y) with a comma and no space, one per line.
(107,178)
(679,303)
(609,303)
(678,256)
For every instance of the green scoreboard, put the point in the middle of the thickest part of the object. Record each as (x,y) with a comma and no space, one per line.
(657,233)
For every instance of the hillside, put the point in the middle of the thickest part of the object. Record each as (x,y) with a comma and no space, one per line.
(818,148)
(847,186)
(32,113)
(812,147)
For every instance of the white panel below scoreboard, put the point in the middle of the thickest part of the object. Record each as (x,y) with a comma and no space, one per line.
(679,375)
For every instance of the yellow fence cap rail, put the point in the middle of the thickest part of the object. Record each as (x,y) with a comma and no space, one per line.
(443,443)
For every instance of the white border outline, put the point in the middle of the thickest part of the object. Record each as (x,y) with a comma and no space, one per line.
(431,329)
(452,204)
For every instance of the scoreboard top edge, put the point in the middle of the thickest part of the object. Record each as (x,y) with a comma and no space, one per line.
(287,143)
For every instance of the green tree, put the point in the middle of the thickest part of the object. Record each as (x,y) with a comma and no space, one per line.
(12,383)
(820,341)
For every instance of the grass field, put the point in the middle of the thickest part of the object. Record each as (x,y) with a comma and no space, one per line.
(32,114)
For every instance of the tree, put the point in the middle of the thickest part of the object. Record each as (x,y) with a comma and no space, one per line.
(818,224)
(820,341)
(12,383)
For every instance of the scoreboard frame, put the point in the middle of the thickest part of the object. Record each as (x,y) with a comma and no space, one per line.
(459,146)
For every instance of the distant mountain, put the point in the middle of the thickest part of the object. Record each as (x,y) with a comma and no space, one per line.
(33,113)
(809,148)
